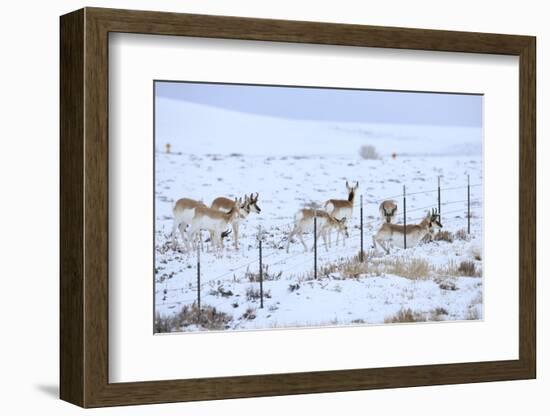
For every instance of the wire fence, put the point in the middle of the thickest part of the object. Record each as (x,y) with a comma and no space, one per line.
(355,245)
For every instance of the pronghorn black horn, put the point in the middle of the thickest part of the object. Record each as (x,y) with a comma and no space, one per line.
(347,184)
(257,195)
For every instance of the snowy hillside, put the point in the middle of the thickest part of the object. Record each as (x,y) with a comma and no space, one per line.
(199,129)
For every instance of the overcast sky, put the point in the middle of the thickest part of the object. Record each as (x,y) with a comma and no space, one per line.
(332,104)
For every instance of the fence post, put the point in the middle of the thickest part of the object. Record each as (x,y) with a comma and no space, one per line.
(361,213)
(468,204)
(261,270)
(315,245)
(199,278)
(404,217)
(439,196)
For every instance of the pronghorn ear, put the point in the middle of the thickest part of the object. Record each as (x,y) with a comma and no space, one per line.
(343,220)
(357,185)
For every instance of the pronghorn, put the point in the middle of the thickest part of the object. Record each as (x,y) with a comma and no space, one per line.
(341,208)
(388,211)
(303,222)
(183,211)
(214,221)
(393,233)
(225,204)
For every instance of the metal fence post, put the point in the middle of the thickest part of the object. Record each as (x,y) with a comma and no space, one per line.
(404,217)
(439,196)
(468,204)
(261,270)
(199,278)
(315,245)
(361,211)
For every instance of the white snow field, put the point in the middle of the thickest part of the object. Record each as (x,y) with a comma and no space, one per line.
(294,164)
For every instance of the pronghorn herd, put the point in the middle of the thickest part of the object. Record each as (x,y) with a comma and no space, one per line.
(192,216)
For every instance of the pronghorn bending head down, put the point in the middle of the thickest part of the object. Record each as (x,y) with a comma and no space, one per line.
(250,204)
(215,221)
(388,211)
(393,234)
(304,222)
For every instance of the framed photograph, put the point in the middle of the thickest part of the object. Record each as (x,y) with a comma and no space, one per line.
(255,207)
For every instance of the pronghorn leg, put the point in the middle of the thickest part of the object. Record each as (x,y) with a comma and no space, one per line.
(324,234)
(192,235)
(301,237)
(385,246)
(174,229)
(292,233)
(235,235)
(319,234)
(182,227)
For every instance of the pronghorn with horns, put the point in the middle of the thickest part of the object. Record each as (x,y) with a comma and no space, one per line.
(342,208)
(214,221)
(392,234)
(225,205)
(388,211)
(304,222)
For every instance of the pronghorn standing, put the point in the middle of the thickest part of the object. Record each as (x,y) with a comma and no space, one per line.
(214,221)
(303,222)
(392,234)
(225,205)
(388,211)
(183,211)
(341,208)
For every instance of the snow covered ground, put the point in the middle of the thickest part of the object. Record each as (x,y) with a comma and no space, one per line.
(296,164)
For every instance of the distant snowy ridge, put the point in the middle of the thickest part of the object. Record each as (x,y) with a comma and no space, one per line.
(200,129)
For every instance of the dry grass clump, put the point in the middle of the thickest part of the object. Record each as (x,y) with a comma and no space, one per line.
(438,314)
(473,314)
(444,236)
(267,275)
(405,315)
(253,294)
(408,315)
(467,268)
(447,285)
(348,268)
(249,314)
(207,318)
(352,268)
(462,234)
(464,268)
(221,291)
(414,268)
(368,151)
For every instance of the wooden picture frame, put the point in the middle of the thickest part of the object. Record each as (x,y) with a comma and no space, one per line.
(84,207)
